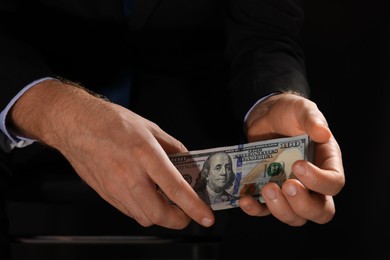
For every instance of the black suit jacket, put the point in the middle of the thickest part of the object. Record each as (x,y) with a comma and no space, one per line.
(199,62)
(88,40)
(197,66)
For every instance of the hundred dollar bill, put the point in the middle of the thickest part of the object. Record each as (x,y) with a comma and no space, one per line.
(220,176)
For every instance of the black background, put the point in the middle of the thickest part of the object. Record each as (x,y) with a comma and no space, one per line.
(347,50)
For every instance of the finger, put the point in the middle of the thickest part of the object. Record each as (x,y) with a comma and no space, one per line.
(326,178)
(170,144)
(110,190)
(308,205)
(253,207)
(156,209)
(136,196)
(279,206)
(177,189)
(118,192)
(142,202)
(180,191)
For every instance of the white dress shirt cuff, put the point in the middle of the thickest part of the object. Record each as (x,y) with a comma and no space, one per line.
(258,102)
(7,140)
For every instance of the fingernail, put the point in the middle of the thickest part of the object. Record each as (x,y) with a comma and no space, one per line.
(270,193)
(300,170)
(206,222)
(290,189)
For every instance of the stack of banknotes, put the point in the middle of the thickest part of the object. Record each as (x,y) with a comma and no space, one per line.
(222,175)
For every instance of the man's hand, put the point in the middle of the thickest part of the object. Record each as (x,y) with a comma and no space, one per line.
(310,197)
(121,155)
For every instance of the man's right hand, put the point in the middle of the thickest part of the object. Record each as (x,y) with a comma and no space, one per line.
(120,154)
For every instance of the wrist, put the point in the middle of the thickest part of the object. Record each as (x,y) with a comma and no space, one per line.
(43,111)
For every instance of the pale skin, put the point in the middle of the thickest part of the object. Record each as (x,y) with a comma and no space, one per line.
(122,156)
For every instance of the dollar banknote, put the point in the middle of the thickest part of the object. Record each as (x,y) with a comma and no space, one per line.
(221,176)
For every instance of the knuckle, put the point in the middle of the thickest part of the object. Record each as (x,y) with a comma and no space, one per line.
(143,221)
(156,217)
(175,189)
(297,222)
(327,216)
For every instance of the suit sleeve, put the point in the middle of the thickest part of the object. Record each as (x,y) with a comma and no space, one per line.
(264,50)
(20,63)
